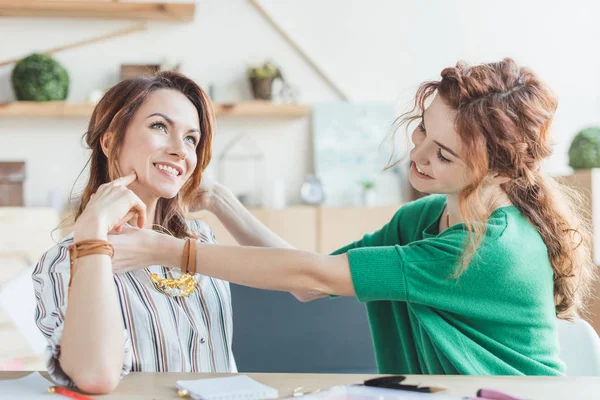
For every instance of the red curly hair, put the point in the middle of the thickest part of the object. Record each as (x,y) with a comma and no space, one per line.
(503,117)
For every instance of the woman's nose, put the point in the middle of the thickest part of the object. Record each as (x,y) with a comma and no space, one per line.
(177,148)
(420,153)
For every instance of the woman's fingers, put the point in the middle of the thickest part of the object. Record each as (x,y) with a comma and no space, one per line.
(125,180)
(139,208)
(119,226)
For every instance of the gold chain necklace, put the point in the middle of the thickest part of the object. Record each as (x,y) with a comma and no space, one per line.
(186,283)
(182,286)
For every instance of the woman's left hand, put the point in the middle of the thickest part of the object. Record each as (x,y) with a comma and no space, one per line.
(205,197)
(134,249)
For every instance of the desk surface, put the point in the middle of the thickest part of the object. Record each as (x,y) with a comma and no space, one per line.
(161,386)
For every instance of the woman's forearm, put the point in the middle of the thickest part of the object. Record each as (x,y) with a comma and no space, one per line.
(246,229)
(273,269)
(92,344)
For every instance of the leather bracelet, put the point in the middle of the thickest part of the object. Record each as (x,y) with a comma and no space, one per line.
(86,248)
(188,261)
(191,264)
(185,257)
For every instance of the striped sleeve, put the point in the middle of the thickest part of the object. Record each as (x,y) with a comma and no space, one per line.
(50,281)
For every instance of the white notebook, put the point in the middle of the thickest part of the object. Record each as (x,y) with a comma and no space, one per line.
(232,387)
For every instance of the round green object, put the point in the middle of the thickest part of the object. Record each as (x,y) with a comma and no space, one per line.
(584,152)
(39,77)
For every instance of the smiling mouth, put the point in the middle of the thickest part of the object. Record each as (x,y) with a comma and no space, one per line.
(168,169)
(420,171)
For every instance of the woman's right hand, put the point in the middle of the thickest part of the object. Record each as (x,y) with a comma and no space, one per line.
(207,195)
(109,209)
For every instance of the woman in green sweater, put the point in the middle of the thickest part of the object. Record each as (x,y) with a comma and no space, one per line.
(469,280)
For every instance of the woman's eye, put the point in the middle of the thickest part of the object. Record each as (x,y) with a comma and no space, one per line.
(192,139)
(441,157)
(422,126)
(159,125)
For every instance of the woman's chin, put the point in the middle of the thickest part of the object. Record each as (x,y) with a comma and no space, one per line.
(168,195)
(164,192)
(418,185)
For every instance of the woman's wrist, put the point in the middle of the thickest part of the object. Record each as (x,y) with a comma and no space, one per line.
(222,199)
(89,229)
(171,250)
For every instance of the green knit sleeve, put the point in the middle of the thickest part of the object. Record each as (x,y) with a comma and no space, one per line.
(407,273)
(424,273)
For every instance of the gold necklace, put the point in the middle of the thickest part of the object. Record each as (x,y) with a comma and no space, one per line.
(182,286)
(448,220)
(186,283)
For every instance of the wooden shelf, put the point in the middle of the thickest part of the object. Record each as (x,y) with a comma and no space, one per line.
(98,9)
(59,109)
(262,109)
(45,109)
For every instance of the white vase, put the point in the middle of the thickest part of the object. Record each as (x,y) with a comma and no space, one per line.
(368,198)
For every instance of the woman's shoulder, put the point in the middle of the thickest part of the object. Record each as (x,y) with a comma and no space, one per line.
(56,258)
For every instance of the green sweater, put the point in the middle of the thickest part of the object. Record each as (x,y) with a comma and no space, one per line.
(497,318)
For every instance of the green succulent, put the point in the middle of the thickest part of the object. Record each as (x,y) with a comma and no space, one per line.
(39,77)
(267,70)
(367,184)
(584,152)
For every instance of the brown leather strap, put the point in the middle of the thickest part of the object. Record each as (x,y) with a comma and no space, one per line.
(185,257)
(86,248)
(191,265)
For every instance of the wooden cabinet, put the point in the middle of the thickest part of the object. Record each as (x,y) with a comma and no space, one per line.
(338,227)
(587,182)
(320,229)
(12,177)
(297,225)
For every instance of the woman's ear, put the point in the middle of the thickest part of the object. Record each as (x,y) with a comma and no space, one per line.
(497,178)
(106,143)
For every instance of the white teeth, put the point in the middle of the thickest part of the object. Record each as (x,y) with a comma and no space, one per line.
(420,170)
(167,168)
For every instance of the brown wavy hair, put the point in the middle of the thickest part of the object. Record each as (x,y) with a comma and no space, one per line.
(113,114)
(503,117)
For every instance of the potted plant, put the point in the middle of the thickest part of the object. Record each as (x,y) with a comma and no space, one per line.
(368,193)
(261,80)
(39,77)
(584,152)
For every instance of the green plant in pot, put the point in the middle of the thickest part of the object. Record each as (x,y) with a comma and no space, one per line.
(39,77)
(584,152)
(261,80)
(368,192)
(367,184)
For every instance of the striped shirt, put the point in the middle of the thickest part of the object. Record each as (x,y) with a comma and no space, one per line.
(162,333)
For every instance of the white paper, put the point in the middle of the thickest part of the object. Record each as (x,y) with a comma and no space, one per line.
(17,298)
(360,392)
(30,387)
(233,387)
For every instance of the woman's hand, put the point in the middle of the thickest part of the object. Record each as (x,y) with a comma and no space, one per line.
(206,196)
(134,248)
(109,209)
(305,297)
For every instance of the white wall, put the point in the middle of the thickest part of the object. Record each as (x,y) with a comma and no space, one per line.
(373,49)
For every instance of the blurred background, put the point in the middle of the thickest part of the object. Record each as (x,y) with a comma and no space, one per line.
(305,93)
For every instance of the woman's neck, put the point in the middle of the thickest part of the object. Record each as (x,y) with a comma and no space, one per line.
(493,197)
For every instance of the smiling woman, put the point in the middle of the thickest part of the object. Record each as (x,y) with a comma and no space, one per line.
(153,128)
(150,141)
